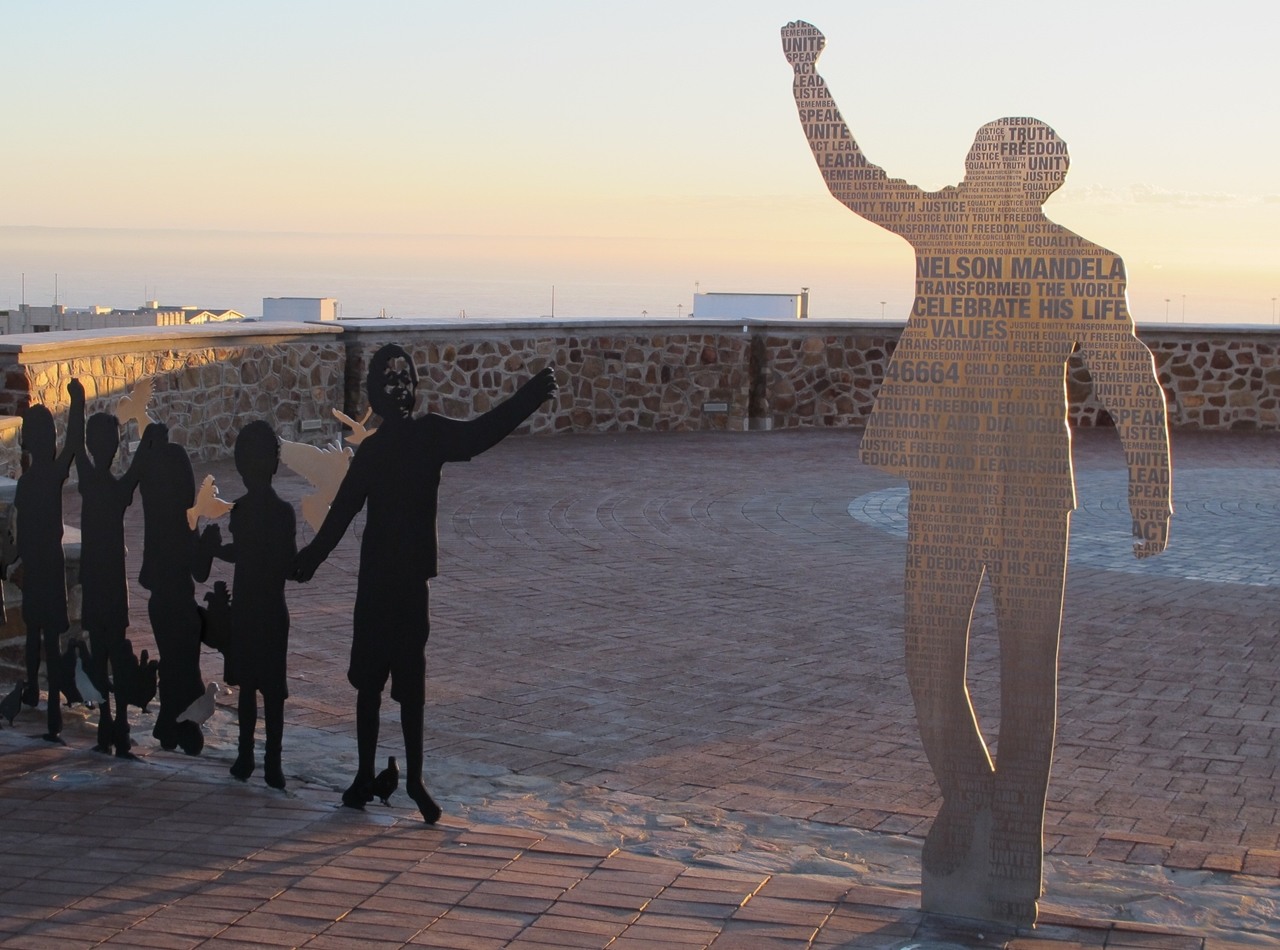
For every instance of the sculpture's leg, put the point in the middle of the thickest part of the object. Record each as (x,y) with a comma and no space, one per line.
(247,713)
(368,703)
(1029,611)
(31,692)
(99,655)
(944,573)
(53,670)
(411,723)
(273,722)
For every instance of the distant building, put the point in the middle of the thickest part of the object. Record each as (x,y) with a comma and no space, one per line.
(29,319)
(752,306)
(300,309)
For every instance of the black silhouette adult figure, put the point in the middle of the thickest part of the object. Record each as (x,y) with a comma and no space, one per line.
(38,501)
(396,474)
(263,549)
(170,566)
(103,583)
(972,412)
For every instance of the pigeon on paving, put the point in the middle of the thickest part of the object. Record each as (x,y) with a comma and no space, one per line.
(88,692)
(387,781)
(10,705)
(200,710)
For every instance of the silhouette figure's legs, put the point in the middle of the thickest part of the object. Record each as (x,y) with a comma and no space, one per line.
(273,719)
(119,656)
(1029,612)
(247,712)
(98,655)
(368,704)
(411,724)
(54,671)
(176,625)
(31,694)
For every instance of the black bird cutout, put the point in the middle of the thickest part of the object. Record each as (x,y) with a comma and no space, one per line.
(10,705)
(387,781)
(142,681)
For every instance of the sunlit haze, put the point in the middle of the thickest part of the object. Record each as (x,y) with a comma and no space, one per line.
(430,159)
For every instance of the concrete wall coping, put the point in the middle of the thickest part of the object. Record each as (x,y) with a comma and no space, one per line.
(31,347)
(403,326)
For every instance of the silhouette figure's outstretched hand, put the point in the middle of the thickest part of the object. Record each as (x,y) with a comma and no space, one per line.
(75,389)
(543,384)
(802,43)
(1151,529)
(305,564)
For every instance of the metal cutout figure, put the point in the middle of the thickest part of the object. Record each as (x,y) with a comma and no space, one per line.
(262,548)
(395,476)
(38,501)
(103,583)
(171,562)
(972,412)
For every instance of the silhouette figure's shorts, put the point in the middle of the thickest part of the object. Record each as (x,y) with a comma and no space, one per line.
(391,642)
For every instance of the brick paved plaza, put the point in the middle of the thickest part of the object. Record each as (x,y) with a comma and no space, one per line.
(667,709)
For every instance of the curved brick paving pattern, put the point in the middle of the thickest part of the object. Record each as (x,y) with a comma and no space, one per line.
(1224,528)
(667,709)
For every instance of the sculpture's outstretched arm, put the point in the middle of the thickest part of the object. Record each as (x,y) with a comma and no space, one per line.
(860,186)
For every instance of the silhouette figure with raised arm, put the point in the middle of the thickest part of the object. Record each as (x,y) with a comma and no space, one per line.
(38,501)
(103,584)
(395,475)
(262,548)
(972,412)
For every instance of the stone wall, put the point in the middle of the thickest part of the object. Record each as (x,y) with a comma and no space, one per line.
(209,381)
(614,375)
(827,373)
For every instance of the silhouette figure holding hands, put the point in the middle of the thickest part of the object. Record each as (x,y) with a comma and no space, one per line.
(396,474)
(103,584)
(263,549)
(38,501)
(171,562)
(972,412)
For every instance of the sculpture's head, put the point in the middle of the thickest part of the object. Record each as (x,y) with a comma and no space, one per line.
(102,438)
(257,452)
(392,383)
(1016,158)
(39,437)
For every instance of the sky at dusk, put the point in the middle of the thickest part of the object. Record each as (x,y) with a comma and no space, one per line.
(427,159)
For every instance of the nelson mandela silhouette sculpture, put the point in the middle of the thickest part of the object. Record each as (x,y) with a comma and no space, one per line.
(972,413)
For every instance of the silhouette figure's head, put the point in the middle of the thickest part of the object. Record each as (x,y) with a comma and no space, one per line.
(39,437)
(257,452)
(1015,160)
(102,438)
(392,383)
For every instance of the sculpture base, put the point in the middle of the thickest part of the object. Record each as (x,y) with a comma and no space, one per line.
(968,890)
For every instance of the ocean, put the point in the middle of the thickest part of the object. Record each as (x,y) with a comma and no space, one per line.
(467,276)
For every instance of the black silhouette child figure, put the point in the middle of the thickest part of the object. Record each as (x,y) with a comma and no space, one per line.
(38,500)
(262,548)
(396,473)
(170,565)
(104,589)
